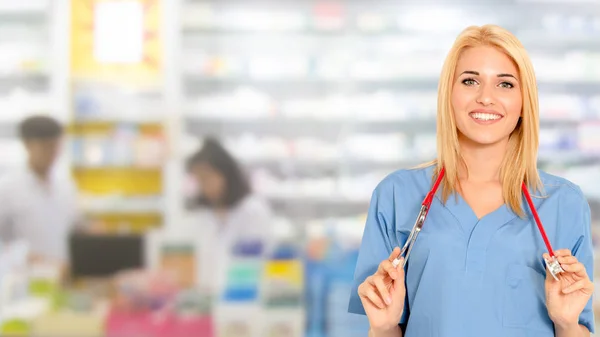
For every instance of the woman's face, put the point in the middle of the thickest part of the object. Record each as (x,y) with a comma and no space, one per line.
(211,182)
(486,96)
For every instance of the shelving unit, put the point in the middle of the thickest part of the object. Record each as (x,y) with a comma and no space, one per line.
(119,141)
(30,69)
(294,88)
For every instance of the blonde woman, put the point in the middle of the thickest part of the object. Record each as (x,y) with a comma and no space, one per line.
(479,265)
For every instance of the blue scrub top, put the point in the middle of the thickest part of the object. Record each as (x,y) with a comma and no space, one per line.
(468,276)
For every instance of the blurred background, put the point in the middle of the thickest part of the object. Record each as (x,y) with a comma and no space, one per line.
(218,156)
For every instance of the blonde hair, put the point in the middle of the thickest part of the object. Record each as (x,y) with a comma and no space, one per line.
(520,163)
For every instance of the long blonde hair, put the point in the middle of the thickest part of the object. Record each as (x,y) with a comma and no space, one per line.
(520,162)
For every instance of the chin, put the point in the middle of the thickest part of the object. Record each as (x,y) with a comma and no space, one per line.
(484,140)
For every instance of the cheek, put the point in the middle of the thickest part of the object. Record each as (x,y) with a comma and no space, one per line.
(460,100)
(513,106)
(219,184)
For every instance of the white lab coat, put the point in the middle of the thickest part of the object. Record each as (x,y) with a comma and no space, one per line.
(41,214)
(250,220)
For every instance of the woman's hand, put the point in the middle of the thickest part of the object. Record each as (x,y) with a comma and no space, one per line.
(566,298)
(382,295)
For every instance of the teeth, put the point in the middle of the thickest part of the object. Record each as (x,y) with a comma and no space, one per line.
(485,116)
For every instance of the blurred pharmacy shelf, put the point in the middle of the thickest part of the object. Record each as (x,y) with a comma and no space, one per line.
(312,96)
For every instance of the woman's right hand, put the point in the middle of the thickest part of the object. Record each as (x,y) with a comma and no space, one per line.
(382,294)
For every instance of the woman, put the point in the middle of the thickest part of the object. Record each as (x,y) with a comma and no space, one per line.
(477,267)
(227,213)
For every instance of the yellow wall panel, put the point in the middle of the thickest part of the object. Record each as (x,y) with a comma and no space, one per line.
(126,181)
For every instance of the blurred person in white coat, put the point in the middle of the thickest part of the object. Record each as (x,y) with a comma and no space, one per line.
(38,204)
(225,210)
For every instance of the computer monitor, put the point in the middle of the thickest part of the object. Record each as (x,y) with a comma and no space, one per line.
(97,256)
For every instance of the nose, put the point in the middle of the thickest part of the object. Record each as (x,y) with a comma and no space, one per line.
(485,95)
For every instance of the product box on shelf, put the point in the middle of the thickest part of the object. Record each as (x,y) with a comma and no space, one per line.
(283,289)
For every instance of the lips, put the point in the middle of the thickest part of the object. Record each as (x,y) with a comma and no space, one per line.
(485,116)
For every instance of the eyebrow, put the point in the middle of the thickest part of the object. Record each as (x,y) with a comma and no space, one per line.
(472,72)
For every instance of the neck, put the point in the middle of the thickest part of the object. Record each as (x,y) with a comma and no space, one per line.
(482,161)
(41,172)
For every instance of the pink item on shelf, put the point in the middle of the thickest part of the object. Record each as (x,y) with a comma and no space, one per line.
(147,324)
(197,326)
(134,324)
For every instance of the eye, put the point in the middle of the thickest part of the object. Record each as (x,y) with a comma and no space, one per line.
(469,82)
(506,85)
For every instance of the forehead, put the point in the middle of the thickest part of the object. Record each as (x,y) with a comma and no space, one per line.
(486,59)
(203,168)
(44,141)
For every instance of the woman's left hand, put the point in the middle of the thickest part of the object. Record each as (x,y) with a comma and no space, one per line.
(567,297)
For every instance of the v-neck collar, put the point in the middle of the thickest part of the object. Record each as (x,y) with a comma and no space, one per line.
(459,207)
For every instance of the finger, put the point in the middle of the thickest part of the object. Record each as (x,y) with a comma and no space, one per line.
(394,255)
(547,258)
(374,297)
(387,268)
(563,252)
(577,268)
(581,284)
(400,267)
(566,260)
(383,290)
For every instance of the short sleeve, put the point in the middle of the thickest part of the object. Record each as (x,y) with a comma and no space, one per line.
(377,243)
(582,249)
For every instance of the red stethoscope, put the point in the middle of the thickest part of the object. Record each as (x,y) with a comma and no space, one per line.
(553,264)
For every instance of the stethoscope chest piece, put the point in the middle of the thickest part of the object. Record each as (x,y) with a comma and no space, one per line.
(554,267)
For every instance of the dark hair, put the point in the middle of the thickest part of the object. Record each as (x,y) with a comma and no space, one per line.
(40,127)
(216,156)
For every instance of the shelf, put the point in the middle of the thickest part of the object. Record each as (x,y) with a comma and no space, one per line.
(290,127)
(533,40)
(306,208)
(34,82)
(118,211)
(570,157)
(113,119)
(195,84)
(354,166)
(129,222)
(559,42)
(306,167)
(327,129)
(117,204)
(115,168)
(24,6)
(198,83)
(87,127)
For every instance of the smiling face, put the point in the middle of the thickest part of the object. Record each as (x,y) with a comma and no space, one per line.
(486,96)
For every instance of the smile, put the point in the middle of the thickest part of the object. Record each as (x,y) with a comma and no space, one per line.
(484,116)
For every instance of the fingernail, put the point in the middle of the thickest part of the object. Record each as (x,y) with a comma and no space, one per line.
(388,300)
